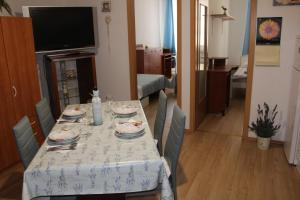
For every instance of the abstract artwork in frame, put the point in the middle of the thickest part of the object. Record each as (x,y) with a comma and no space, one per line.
(268,37)
(268,30)
(286,2)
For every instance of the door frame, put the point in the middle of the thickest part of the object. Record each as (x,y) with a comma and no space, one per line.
(132,50)
(253,15)
(202,101)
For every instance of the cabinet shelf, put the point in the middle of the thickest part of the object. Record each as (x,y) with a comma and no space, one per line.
(67,80)
(77,81)
(224,17)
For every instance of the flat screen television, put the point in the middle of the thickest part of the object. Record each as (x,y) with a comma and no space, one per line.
(61,28)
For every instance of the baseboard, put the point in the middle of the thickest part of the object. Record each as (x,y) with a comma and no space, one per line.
(254,140)
(187,130)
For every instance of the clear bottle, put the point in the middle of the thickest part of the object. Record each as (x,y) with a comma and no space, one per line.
(96,107)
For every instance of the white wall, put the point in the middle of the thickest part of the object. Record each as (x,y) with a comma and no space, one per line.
(112,66)
(218,30)
(236,30)
(272,84)
(147,22)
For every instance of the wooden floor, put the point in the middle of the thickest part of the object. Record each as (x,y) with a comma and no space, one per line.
(230,124)
(215,164)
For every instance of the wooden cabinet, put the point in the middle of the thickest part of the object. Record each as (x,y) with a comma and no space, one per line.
(70,85)
(149,61)
(218,89)
(19,86)
(154,61)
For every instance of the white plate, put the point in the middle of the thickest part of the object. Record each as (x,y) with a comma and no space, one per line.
(128,128)
(129,136)
(124,110)
(73,113)
(62,135)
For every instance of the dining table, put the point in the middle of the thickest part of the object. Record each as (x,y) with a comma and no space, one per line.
(101,163)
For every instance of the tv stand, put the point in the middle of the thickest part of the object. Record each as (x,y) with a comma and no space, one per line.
(70,84)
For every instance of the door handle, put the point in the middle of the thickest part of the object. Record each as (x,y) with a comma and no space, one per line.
(15,91)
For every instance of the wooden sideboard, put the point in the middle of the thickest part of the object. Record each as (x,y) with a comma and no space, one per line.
(19,85)
(154,61)
(218,88)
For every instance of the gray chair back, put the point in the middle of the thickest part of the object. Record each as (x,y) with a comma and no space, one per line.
(160,119)
(26,142)
(174,143)
(45,117)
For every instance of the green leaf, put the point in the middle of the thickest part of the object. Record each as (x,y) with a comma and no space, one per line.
(264,126)
(5,5)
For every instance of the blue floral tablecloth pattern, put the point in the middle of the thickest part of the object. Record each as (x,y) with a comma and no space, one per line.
(101,163)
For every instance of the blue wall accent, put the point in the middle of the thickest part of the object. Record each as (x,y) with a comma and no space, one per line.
(247,31)
(169,37)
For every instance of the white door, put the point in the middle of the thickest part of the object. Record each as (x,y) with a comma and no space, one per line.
(294,117)
(297,54)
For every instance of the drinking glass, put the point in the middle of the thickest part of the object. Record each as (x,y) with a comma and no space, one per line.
(109,101)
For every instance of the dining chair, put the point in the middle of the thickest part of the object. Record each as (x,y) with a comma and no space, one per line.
(26,142)
(28,147)
(45,116)
(160,119)
(174,143)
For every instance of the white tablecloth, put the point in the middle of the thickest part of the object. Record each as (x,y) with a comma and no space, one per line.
(101,163)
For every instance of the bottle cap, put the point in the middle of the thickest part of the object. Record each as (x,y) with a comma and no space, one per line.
(95,93)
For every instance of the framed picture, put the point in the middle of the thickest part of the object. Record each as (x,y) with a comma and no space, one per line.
(106,6)
(286,2)
(268,30)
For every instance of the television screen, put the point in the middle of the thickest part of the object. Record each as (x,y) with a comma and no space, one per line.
(61,28)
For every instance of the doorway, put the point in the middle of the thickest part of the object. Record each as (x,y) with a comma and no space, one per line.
(173,76)
(195,115)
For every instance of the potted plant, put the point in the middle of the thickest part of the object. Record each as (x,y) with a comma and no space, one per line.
(264,126)
(4,5)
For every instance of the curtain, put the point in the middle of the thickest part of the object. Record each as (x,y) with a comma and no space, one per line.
(247,30)
(169,37)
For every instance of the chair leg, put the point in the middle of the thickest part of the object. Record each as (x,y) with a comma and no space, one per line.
(174,186)
(172,180)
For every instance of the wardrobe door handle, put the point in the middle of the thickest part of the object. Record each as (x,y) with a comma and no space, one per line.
(15,91)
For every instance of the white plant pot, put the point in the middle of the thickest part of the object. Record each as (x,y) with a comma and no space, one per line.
(263,143)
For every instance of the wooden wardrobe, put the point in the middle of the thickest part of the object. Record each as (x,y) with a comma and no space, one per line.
(19,85)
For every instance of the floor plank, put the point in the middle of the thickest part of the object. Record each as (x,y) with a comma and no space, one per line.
(230,124)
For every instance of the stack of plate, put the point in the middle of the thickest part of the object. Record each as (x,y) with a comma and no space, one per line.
(73,114)
(125,111)
(62,138)
(129,130)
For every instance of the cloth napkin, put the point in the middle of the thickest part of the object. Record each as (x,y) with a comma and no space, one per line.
(128,128)
(124,110)
(73,112)
(60,135)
